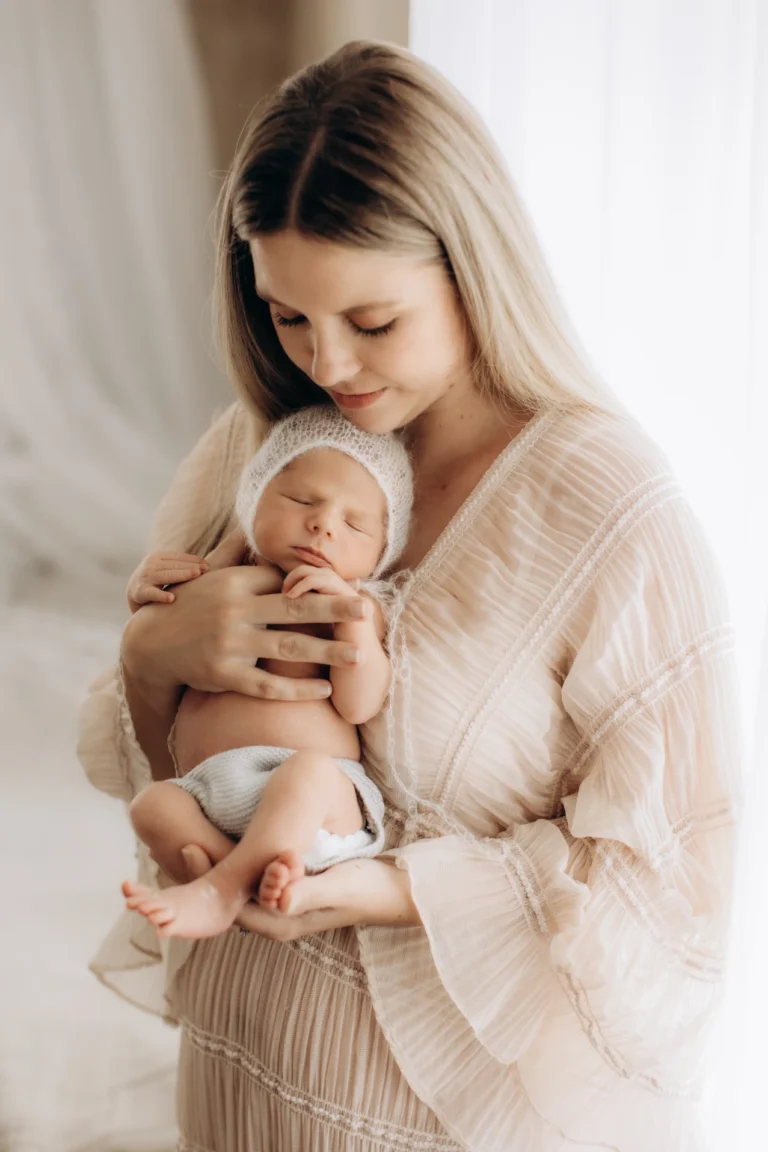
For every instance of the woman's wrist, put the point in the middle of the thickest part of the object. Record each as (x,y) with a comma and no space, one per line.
(152,705)
(136,657)
(386,900)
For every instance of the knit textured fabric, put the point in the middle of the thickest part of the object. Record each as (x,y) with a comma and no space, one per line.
(384,456)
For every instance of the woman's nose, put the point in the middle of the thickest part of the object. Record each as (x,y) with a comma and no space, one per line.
(332,363)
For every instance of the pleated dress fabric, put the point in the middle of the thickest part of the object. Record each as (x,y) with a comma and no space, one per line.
(560,768)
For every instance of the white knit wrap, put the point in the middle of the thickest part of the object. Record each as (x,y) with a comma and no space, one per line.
(323,426)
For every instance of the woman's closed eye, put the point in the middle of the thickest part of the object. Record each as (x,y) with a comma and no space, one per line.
(294,321)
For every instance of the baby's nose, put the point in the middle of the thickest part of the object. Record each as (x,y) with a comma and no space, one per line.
(321,522)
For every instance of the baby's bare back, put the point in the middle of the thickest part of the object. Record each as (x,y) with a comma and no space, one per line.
(212,722)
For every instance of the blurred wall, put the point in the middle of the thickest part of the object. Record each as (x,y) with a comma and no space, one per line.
(248,46)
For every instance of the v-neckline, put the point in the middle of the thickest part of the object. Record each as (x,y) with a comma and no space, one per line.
(413,579)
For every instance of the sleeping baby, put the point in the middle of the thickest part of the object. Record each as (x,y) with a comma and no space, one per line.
(272,789)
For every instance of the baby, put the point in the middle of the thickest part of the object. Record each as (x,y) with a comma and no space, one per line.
(323,505)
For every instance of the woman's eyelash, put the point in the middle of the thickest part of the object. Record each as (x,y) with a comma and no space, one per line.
(293,321)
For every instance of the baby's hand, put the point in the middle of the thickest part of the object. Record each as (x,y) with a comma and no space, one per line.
(146,584)
(308,578)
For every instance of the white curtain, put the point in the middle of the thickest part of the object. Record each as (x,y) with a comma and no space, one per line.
(107,376)
(637,131)
(107,373)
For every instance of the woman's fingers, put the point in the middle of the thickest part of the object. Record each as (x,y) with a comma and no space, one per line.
(264,686)
(218,628)
(319,609)
(295,646)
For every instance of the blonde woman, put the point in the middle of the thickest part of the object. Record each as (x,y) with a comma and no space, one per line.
(534,961)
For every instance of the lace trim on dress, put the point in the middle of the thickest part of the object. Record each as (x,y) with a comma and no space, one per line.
(620,876)
(623,708)
(333,962)
(579,999)
(398,1138)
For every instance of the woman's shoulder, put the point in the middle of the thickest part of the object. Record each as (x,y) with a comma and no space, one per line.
(201,494)
(609,454)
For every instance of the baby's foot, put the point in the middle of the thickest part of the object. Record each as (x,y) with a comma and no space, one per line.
(193,910)
(274,890)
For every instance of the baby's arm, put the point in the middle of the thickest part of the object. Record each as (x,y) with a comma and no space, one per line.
(146,585)
(358,692)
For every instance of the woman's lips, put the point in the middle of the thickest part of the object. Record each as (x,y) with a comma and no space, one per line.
(356,400)
(312,557)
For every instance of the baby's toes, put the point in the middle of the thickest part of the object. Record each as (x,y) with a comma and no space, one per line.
(152,905)
(136,894)
(160,916)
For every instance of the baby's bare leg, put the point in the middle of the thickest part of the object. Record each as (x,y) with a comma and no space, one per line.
(167,819)
(307,792)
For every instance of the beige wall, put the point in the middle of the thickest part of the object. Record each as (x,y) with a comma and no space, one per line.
(248,46)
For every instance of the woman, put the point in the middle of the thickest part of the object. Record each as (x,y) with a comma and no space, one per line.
(534,962)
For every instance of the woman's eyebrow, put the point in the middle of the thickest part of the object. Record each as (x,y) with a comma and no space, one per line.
(356,308)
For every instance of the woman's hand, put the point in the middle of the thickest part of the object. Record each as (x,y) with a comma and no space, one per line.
(355,892)
(215,632)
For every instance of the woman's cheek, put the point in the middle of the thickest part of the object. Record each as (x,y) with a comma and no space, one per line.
(296,347)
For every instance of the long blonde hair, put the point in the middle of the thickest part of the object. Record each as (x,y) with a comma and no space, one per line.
(373,148)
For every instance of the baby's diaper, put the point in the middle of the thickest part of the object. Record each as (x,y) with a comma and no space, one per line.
(229,786)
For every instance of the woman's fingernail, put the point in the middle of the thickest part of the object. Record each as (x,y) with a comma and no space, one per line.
(360,611)
(352,655)
(326,690)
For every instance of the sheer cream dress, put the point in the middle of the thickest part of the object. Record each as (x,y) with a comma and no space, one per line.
(562,797)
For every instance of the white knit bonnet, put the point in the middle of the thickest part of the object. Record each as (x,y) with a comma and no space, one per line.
(323,426)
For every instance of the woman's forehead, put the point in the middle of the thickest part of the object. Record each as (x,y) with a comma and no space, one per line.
(295,270)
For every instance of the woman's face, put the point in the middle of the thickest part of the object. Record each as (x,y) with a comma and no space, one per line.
(382,334)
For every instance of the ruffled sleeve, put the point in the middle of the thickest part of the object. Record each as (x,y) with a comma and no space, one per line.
(561,990)
(191,514)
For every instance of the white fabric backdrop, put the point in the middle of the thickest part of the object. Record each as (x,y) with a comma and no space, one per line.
(637,131)
(106,369)
(106,377)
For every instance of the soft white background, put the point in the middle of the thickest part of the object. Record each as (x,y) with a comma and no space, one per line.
(637,131)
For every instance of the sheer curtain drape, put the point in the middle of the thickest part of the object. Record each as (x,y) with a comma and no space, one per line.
(638,135)
(106,369)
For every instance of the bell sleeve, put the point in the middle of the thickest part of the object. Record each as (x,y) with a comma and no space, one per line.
(560,991)
(130,960)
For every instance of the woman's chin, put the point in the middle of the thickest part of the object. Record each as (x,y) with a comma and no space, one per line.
(382,417)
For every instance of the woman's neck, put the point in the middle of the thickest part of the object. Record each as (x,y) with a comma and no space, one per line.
(459,427)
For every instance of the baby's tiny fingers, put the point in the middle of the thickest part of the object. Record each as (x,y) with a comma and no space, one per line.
(152,595)
(176,575)
(301,588)
(189,557)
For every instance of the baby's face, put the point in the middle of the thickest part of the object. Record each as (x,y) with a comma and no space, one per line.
(323,509)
